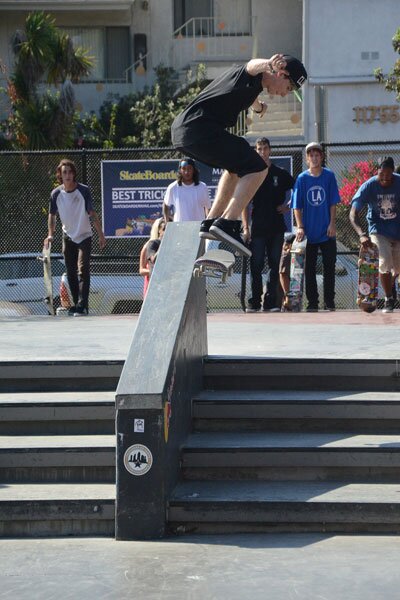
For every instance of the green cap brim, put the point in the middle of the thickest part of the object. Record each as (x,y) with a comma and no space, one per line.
(298,95)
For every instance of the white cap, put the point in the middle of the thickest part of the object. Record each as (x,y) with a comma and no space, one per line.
(313,146)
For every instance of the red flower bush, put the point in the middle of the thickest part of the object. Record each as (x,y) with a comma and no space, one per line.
(354,177)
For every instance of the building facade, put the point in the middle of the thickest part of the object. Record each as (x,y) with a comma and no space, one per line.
(340,41)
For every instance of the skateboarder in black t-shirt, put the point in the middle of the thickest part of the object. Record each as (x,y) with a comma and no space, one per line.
(200,132)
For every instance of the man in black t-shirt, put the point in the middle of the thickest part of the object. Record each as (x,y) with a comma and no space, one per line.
(267,229)
(200,132)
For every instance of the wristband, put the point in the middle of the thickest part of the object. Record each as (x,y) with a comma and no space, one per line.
(50,238)
(363,235)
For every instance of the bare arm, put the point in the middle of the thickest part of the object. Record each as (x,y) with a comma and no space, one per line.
(298,215)
(355,221)
(266,65)
(246,224)
(166,213)
(143,268)
(51,227)
(96,224)
(332,225)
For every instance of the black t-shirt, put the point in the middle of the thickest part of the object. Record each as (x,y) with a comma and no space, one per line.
(265,218)
(217,106)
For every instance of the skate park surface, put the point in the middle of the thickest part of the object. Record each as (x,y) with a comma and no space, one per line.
(341,334)
(248,566)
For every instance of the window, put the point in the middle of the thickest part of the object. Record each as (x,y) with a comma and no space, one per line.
(108,45)
(213,17)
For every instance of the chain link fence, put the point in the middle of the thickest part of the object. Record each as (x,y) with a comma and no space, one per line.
(27,178)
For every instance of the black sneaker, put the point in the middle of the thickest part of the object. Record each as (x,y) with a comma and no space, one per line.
(389,305)
(81,311)
(229,231)
(250,309)
(71,311)
(205,229)
(312,308)
(330,308)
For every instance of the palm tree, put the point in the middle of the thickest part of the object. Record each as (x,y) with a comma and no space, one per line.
(44,54)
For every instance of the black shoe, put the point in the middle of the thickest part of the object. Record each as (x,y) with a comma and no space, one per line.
(229,231)
(250,309)
(71,311)
(389,305)
(312,308)
(205,229)
(81,311)
(331,307)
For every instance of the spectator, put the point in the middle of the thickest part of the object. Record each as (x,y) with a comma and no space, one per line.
(148,255)
(188,195)
(72,202)
(314,201)
(381,194)
(200,132)
(267,229)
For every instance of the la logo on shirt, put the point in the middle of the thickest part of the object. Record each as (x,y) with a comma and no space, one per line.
(316,195)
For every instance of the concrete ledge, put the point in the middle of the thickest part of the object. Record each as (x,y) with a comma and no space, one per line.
(163,370)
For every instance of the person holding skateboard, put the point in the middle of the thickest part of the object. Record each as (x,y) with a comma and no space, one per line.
(188,195)
(72,202)
(200,132)
(314,200)
(381,194)
(267,229)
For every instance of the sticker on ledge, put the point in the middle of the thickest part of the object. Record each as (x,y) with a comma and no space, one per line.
(138,426)
(138,459)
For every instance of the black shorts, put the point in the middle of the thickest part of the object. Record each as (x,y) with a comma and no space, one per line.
(226,151)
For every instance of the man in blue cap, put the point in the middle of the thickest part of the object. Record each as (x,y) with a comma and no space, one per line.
(200,132)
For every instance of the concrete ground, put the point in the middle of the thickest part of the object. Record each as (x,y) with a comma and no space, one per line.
(344,334)
(274,566)
(236,567)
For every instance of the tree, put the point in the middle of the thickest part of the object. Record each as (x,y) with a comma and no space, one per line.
(142,119)
(391,81)
(43,53)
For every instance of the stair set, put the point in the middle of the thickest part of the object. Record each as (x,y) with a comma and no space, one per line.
(276,445)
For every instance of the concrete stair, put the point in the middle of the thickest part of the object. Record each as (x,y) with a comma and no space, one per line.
(283,119)
(318,451)
(57,448)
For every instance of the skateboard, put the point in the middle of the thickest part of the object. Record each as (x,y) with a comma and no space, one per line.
(367,290)
(214,263)
(48,281)
(294,298)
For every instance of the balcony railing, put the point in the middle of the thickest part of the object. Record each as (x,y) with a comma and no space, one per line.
(204,39)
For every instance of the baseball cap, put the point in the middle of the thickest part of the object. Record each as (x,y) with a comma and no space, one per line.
(313,146)
(185,162)
(297,74)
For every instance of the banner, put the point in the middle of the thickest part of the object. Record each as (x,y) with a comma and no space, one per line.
(133,192)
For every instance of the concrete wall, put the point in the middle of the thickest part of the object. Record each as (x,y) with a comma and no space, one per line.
(337,32)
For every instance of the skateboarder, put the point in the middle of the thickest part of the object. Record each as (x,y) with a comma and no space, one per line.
(72,202)
(200,132)
(314,200)
(381,194)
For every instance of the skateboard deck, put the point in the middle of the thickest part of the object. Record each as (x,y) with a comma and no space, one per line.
(214,263)
(368,273)
(294,298)
(47,279)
